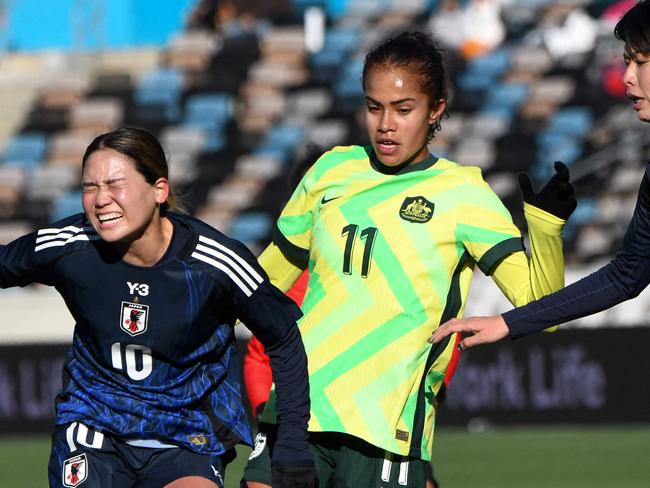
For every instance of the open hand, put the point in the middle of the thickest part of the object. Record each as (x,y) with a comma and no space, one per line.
(479,330)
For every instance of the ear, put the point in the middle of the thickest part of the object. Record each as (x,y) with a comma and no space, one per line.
(161,189)
(437,110)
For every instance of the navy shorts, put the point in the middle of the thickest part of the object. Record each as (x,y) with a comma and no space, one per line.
(82,456)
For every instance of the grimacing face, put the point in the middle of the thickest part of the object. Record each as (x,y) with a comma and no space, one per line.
(117,200)
(398,115)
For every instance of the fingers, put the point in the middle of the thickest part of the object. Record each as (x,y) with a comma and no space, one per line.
(526,186)
(443,331)
(562,170)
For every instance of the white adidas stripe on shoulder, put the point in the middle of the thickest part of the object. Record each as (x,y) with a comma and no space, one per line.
(238,270)
(56,237)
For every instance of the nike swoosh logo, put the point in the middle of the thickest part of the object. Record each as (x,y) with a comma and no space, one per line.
(326,200)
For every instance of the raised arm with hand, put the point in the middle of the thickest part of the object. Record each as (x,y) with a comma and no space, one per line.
(520,278)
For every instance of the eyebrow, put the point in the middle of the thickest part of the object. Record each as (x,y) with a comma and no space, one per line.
(395,102)
(106,182)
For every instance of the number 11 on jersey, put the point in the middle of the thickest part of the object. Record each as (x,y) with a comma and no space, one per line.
(368,235)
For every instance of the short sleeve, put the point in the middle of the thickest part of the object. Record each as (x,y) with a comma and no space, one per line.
(294,226)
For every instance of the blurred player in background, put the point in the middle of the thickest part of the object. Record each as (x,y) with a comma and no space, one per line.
(149,395)
(391,235)
(629,272)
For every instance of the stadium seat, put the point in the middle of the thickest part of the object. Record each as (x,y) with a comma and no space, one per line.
(26,150)
(65,205)
(251,226)
(571,121)
(50,181)
(160,87)
(209,112)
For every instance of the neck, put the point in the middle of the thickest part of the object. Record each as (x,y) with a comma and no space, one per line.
(151,246)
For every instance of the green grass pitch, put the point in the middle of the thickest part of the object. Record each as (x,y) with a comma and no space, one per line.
(561,457)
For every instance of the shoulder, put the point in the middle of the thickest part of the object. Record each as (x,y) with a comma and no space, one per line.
(342,154)
(203,231)
(221,256)
(465,173)
(71,233)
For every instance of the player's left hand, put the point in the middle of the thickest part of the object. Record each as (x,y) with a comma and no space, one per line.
(556,197)
(481,330)
(294,477)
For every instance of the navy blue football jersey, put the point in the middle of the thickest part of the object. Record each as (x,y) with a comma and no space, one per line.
(153,353)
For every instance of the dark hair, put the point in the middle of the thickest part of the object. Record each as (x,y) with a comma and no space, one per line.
(419,54)
(144,150)
(634,28)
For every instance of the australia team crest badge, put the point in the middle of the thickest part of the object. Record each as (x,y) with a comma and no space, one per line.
(134,318)
(416,209)
(75,470)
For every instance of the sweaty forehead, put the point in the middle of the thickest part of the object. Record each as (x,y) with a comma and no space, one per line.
(106,164)
(397,77)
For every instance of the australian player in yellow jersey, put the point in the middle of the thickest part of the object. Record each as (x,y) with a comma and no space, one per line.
(391,235)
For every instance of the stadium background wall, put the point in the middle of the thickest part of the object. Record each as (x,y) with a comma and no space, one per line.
(581,377)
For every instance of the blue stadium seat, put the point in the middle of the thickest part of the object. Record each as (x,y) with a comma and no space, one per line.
(250,226)
(65,205)
(281,141)
(160,87)
(584,213)
(506,96)
(481,72)
(209,112)
(571,121)
(25,150)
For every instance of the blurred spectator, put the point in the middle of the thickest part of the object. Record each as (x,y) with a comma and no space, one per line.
(456,26)
(205,16)
(576,35)
(612,71)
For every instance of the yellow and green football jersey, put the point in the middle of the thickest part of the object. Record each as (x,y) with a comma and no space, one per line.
(391,257)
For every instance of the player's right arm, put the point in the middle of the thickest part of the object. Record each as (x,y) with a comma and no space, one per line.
(27,260)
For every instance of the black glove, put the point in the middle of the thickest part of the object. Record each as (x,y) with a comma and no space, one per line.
(294,477)
(557,196)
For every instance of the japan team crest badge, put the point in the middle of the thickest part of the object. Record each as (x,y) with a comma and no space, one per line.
(134,318)
(75,470)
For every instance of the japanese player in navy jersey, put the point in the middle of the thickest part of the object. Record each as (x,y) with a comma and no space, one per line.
(629,272)
(151,393)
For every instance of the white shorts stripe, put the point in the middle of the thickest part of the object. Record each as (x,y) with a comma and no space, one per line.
(385,469)
(242,286)
(403,473)
(230,252)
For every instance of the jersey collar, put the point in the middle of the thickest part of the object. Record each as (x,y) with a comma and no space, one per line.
(429,161)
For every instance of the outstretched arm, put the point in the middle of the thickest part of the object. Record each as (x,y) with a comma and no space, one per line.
(623,278)
(522,279)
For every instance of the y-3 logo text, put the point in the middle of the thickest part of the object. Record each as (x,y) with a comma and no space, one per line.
(141,289)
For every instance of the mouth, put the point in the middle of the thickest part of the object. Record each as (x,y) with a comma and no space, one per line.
(386,146)
(636,101)
(109,218)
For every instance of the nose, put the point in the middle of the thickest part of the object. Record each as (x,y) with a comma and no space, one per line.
(387,122)
(102,196)
(629,76)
